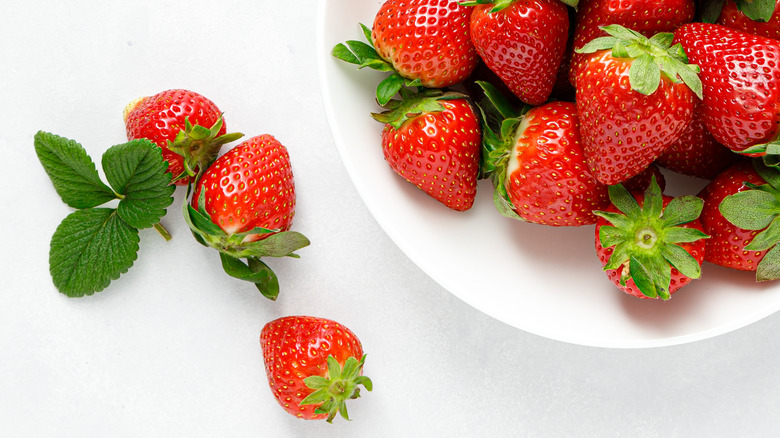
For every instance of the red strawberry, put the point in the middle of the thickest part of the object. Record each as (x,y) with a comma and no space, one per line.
(741,212)
(649,244)
(645,17)
(523,42)
(243,206)
(187,126)
(426,40)
(696,152)
(640,181)
(634,101)
(433,141)
(741,83)
(537,164)
(769,26)
(314,365)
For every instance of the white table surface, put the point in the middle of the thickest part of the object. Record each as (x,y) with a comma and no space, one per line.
(171,349)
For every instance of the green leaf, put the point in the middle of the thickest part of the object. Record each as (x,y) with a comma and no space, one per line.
(653,203)
(643,279)
(768,173)
(644,75)
(255,271)
(757,10)
(316,382)
(681,210)
(769,267)
(623,200)
(767,238)
(319,396)
(137,171)
(678,257)
(750,209)
(710,10)
(72,171)
(598,44)
(620,255)
(662,39)
(283,244)
(388,88)
(683,235)
(611,236)
(89,249)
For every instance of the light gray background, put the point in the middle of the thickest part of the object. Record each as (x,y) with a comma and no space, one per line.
(171,349)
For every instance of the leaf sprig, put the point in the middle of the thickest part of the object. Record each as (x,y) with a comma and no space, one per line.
(93,246)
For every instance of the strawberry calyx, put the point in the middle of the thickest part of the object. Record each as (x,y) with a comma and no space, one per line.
(412,104)
(502,124)
(340,385)
(646,237)
(503,4)
(758,209)
(365,55)
(651,58)
(234,247)
(199,146)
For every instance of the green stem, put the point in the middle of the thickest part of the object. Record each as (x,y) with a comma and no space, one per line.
(163,232)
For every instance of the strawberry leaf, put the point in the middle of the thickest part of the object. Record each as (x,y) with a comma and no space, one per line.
(767,238)
(757,10)
(254,271)
(138,173)
(89,249)
(750,209)
(72,171)
(282,244)
(710,10)
(769,267)
(681,260)
(681,210)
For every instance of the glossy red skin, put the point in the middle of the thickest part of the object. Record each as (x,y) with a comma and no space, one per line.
(623,131)
(697,153)
(523,44)
(731,16)
(696,249)
(551,184)
(296,347)
(643,16)
(250,186)
(426,39)
(726,245)
(438,152)
(160,118)
(741,81)
(639,183)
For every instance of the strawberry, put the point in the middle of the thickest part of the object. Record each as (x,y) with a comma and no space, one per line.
(741,84)
(420,42)
(314,365)
(535,160)
(645,17)
(650,245)
(634,101)
(742,15)
(432,140)
(696,152)
(243,206)
(187,126)
(741,210)
(523,42)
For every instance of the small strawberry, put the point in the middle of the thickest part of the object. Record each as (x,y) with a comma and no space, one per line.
(433,140)
(696,152)
(243,206)
(741,211)
(741,84)
(314,365)
(649,244)
(187,126)
(635,97)
(757,17)
(537,165)
(645,17)
(523,42)
(421,42)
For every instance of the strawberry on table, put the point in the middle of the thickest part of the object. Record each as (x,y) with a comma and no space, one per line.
(759,17)
(741,84)
(635,97)
(314,365)
(420,42)
(187,126)
(535,160)
(643,16)
(697,153)
(243,206)
(433,140)
(741,209)
(523,42)
(650,245)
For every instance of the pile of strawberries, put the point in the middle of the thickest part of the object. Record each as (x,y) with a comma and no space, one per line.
(570,108)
